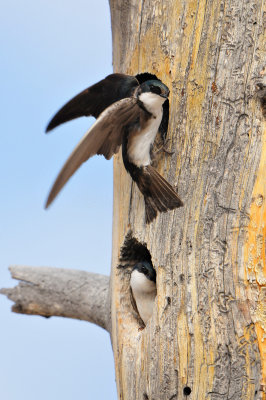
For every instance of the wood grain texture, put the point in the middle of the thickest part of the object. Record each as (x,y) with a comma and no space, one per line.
(202,334)
(60,292)
(255,258)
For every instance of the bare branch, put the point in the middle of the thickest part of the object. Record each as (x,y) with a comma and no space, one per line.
(60,292)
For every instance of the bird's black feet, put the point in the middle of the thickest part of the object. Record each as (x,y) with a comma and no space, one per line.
(158,148)
(164,146)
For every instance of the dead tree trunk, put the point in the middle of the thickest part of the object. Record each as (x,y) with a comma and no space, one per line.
(206,333)
(206,338)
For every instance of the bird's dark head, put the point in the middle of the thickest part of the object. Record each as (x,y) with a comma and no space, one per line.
(154,86)
(147,269)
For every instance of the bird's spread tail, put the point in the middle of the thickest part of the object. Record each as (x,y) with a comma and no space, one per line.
(159,195)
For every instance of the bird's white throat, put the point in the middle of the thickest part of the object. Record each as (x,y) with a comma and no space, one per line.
(141,284)
(152,102)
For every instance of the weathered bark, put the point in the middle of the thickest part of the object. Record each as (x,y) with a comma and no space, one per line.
(60,292)
(206,333)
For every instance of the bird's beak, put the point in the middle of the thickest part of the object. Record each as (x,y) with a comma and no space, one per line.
(165,95)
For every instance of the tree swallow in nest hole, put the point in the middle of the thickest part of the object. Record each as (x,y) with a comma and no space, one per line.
(130,111)
(143,286)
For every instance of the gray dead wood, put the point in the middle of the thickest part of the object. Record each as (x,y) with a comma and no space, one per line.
(60,292)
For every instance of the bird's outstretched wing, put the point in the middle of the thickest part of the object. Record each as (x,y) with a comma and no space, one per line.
(95,99)
(104,137)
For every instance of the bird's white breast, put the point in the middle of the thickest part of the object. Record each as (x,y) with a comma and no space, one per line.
(139,145)
(144,292)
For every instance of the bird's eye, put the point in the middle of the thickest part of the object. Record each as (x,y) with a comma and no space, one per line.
(155,89)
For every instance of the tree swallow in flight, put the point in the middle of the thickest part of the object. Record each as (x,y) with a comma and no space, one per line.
(129,112)
(143,286)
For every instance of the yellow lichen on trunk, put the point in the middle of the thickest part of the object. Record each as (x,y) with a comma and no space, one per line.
(255,261)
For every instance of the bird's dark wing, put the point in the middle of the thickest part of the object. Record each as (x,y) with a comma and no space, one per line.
(163,128)
(95,99)
(104,137)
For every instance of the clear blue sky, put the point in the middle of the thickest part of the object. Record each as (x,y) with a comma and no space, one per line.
(51,50)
